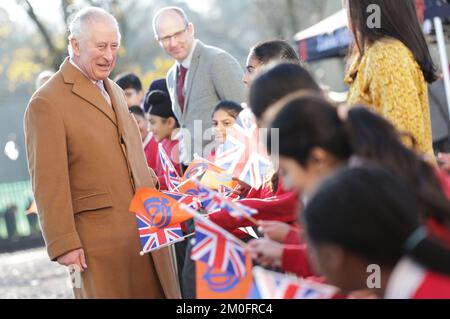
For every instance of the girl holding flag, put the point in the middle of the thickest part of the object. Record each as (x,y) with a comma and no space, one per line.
(309,154)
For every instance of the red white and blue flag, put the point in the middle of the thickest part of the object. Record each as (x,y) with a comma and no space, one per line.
(212,200)
(243,155)
(151,241)
(218,248)
(273,285)
(170,173)
(188,200)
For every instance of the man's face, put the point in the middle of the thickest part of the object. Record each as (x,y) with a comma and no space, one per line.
(96,53)
(174,36)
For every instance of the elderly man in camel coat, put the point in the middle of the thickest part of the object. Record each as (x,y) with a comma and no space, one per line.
(86,161)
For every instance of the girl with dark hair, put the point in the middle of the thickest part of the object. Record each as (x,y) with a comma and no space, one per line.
(163,125)
(266,52)
(224,117)
(277,81)
(391,65)
(315,142)
(386,236)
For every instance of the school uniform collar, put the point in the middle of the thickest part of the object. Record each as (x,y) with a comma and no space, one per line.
(405,280)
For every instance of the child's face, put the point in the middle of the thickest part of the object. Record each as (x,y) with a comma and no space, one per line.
(160,127)
(134,97)
(221,122)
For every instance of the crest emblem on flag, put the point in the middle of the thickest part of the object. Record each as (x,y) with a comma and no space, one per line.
(159,211)
(220,281)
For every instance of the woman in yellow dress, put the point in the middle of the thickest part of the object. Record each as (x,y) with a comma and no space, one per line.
(391,65)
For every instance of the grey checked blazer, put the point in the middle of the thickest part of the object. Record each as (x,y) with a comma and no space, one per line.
(214,75)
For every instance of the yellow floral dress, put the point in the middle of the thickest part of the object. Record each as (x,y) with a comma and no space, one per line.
(389,80)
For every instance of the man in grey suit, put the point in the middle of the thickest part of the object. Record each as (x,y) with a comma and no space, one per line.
(201,77)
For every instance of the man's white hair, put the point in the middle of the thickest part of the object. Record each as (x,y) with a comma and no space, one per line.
(177,10)
(78,28)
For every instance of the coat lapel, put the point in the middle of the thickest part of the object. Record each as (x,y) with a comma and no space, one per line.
(172,87)
(86,90)
(191,74)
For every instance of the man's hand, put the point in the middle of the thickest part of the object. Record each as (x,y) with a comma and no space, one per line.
(75,257)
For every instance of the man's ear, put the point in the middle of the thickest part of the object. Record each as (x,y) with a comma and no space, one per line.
(191,29)
(75,46)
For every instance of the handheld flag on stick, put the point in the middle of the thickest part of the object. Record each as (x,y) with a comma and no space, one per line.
(218,248)
(158,218)
(243,155)
(212,200)
(159,210)
(189,200)
(162,238)
(209,174)
(272,285)
(171,176)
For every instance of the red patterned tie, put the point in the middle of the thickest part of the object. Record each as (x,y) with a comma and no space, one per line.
(180,86)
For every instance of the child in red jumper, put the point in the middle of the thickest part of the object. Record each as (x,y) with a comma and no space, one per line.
(163,125)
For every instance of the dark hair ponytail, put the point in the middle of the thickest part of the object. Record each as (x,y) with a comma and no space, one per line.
(305,121)
(372,213)
(374,138)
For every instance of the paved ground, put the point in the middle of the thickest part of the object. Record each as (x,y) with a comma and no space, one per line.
(30,275)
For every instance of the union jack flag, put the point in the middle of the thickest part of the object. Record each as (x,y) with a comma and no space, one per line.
(211,200)
(242,154)
(273,285)
(151,241)
(170,173)
(218,248)
(188,200)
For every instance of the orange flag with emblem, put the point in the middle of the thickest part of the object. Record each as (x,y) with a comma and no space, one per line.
(214,283)
(157,209)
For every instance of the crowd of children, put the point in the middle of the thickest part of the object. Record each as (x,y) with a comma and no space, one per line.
(350,190)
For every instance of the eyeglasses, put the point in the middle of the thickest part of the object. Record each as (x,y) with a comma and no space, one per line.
(166,40)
